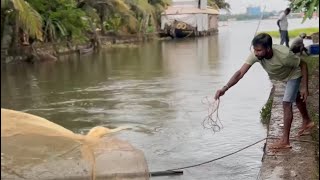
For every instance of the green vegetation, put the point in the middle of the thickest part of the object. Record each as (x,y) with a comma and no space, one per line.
(293,33)
(76,20)
(312,62)
(265,113)
(308,7)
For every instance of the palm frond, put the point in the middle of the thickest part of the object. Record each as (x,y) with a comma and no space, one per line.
(29,18)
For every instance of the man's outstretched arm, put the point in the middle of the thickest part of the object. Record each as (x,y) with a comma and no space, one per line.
(233,80)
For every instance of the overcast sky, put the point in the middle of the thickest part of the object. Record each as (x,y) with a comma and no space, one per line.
(239,6)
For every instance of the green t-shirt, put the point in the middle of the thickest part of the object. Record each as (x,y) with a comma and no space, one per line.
(283,65)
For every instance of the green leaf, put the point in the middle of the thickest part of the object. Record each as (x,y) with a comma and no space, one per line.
(298,1)
(61,28)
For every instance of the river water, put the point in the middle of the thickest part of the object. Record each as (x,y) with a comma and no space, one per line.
(158,89)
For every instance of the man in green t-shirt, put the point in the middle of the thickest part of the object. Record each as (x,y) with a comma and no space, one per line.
(281,64)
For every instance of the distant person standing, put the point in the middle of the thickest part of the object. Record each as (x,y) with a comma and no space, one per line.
(283,27)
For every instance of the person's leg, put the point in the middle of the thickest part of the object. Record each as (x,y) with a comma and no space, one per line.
(301,50)
(287,38)
(290,96)
(306,50)
(307,124)
(287,118)
(281,37)
(284,142)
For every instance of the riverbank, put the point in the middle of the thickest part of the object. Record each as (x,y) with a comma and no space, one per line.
(41,52)
(300,162)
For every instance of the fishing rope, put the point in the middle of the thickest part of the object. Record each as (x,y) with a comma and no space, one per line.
(259,22)
(215,159)
(261,17)
(212,120)
(239,150)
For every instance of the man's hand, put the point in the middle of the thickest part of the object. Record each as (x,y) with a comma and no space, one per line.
(219,93)
(304,94)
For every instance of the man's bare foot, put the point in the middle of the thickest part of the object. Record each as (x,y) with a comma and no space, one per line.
(280,145)
(306,129)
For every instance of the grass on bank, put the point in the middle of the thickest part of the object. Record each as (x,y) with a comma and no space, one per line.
(293,33)
(265,113)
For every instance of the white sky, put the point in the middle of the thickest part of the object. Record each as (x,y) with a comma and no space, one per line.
(239,6)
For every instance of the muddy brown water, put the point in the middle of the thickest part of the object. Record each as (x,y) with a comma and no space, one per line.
(157,89)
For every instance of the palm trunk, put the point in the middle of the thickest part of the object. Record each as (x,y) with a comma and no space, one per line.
(96,36)
(3,22)
(146,24)
(15,36)
(103,29)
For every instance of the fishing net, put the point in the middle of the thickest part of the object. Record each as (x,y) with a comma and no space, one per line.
(212,120)
(35,148)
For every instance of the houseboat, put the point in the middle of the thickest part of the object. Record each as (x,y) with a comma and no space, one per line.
(186,18)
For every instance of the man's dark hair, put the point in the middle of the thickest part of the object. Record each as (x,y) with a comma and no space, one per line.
(262,39)
(288,9)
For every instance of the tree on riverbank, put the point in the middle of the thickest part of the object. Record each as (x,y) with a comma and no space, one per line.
(23,19)
(60,20)
(308,7)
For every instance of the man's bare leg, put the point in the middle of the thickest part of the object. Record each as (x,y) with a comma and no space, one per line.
(287,118)
(306,121)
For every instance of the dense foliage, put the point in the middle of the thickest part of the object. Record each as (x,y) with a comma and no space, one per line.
(66,20)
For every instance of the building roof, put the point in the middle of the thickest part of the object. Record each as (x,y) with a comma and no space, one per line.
(189,10)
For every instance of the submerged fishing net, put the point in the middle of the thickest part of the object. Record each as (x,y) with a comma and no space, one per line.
(212,120)
(35,148)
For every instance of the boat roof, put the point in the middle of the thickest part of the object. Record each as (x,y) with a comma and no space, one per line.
(174,10)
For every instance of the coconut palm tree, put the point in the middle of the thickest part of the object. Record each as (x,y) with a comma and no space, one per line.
(23,17)
(144,13)
(159,7)
(106,8)
(61,19)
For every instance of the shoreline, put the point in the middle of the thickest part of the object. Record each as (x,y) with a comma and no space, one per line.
(52,51)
